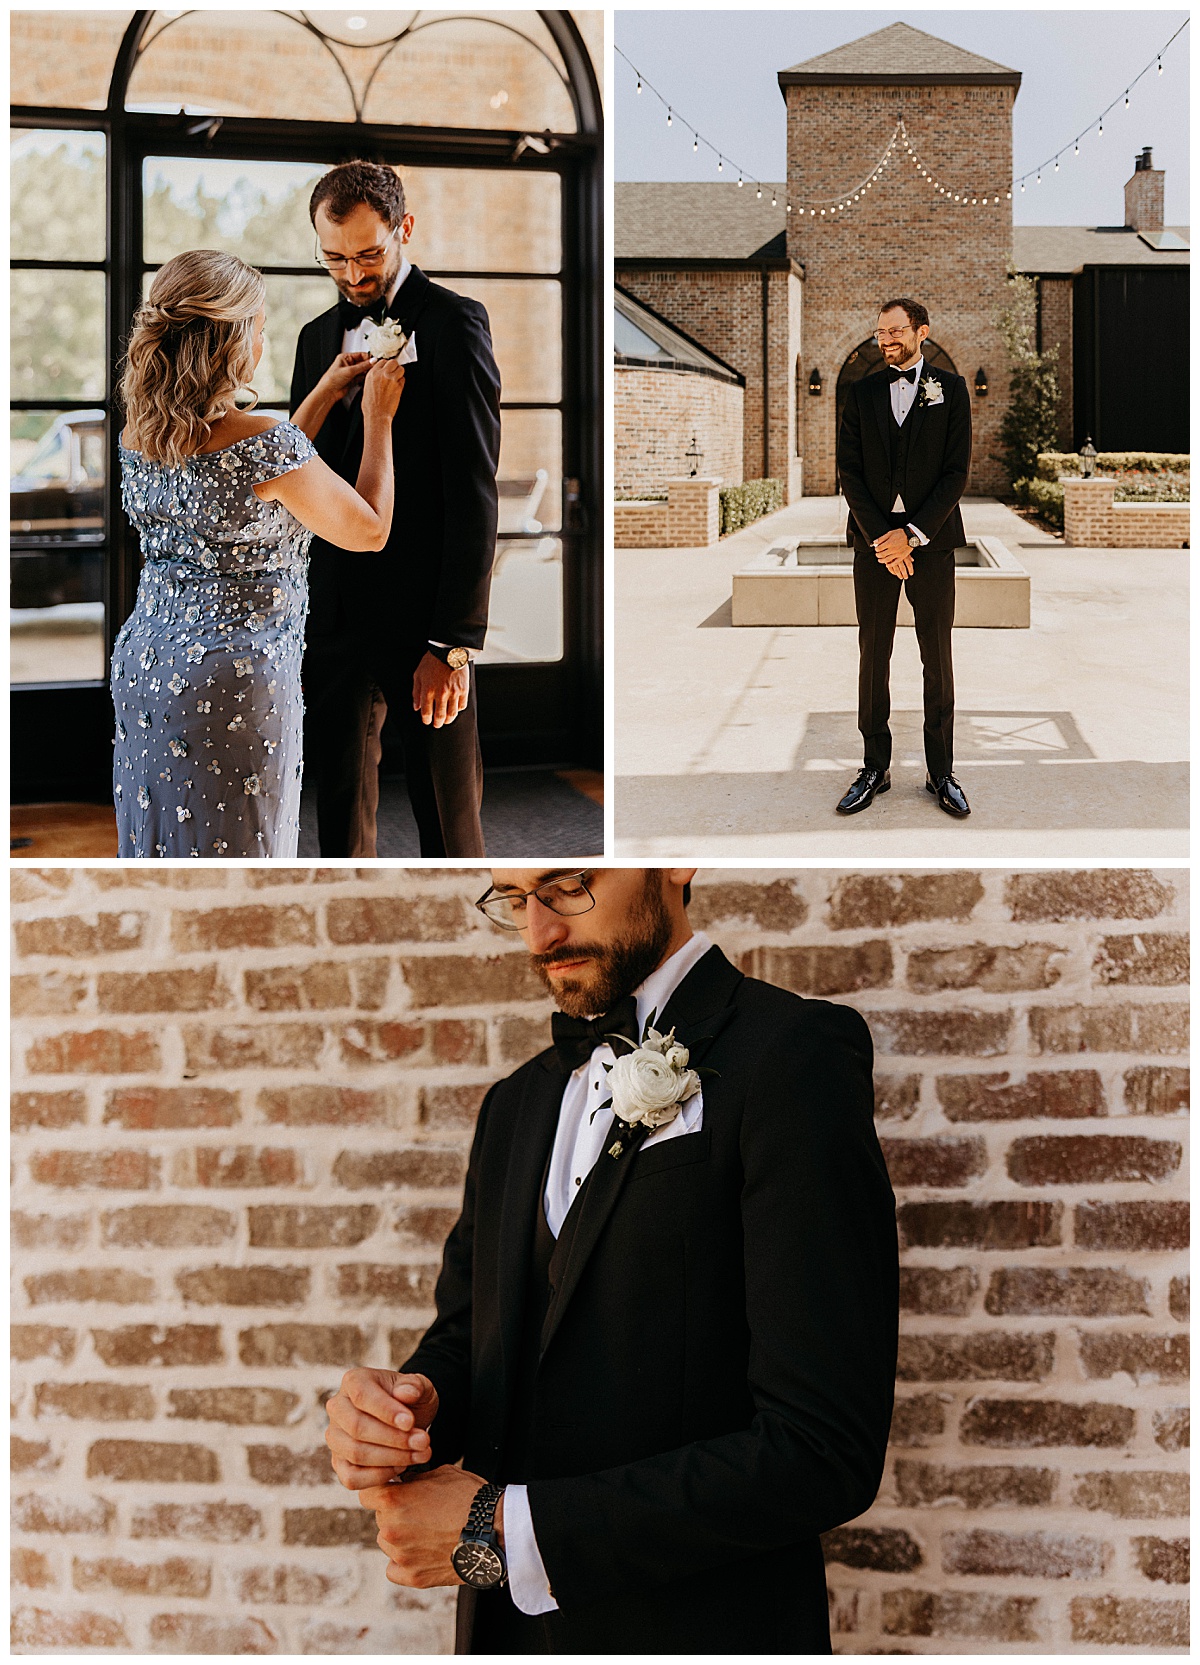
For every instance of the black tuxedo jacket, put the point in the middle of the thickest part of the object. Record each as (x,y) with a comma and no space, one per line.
(431,581)
(718,1360)
(939,460)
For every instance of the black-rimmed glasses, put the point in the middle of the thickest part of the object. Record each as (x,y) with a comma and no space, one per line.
(566,894)
(369,260)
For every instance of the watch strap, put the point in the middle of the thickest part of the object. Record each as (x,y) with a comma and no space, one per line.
(481,1518)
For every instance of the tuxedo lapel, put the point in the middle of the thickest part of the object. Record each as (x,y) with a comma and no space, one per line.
(699,1009)
(917,414)
(882,399)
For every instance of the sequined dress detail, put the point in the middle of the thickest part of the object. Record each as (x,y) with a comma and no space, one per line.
(206,669)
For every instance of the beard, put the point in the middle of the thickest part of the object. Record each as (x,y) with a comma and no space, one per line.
(615,968)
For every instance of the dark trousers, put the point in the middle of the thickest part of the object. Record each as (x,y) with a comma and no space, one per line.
(347,702)
(930,591)
(490,1622)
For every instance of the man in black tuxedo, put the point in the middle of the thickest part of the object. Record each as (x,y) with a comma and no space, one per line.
(903,455)
(665,1358)
(395,633)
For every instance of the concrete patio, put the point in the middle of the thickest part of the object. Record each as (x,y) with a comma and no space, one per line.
(1071,736)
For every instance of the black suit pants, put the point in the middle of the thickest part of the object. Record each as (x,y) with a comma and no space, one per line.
(930,591)
(347,700)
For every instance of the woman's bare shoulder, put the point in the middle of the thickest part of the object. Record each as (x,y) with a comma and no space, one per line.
(238,425)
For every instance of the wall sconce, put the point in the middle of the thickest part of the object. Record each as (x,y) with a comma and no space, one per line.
(815,384)
(981,384)
(1087,458)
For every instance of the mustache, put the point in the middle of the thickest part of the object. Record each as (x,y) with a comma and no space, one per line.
(556,956)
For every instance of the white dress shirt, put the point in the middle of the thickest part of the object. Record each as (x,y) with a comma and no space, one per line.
(903,395)
(578,1141)
(355,340)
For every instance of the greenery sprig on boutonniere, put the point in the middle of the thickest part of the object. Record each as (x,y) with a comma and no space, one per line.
(650,1084)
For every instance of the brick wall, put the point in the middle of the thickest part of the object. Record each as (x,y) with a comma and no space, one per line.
(639,526)
(242,1105)
(1091,520)
(656,416)
(1056,300)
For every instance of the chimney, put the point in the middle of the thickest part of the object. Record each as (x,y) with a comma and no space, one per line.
(1144,195)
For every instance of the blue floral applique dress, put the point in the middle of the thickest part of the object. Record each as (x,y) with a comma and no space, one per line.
(206,670)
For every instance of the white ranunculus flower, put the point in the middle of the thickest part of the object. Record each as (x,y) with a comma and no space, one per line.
(386,340)
(647,1088)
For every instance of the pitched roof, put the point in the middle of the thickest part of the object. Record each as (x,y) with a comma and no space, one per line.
(1051,249)
(898,53)
(642,338)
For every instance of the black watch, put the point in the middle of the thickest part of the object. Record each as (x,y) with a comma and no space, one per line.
(455,657)
(477,1557)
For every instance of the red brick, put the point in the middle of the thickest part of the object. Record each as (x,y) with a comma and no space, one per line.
(322,986)
(975,1358)
(1157,959)
(961,1032)
(1040,1424)
(402,1344)
(95,1401)
(459,1041)
(47,1110)
(862,902)
(173,1107)
(324,1106)
(371,1042)
(968,1225)
(1172,1428)
(823,969)
(897,1097)
(200,989)
(93,1052)
(33,1628)
(1024,1555)
(522,1038)
(73,937)
(1164,1560)
(939,1161)
(34,884)
(292,1226)
(270,1345)
(1063,1094)
(960,1613)
(1146,1358)
(979,965)
(279,1465)
(772,907)
(1144,1028)
(198,1633)
(42,1341)
(425,1226)
(172,1345)
(177,1226)
(1179,1299)
(115,1284)
(32,1456)
(925,1485)
(243,1047)
(934,1289)
(245,1286)
(38,1513)
(136,877)
(46,994)
(1131,1225)
(258,926)
(268,1407)
(1075,1291)
(878,1549)
(32,1569)
(177,1576)
(1101,893)
(1157,1090)
(918,1419)
(1116,1621)
(362,1170)
(395,919)
(49,1231)
(115,1170)
(292,1586)
(363,1283)
(460,980)
(238,1166)
(210,1523)
(451,1109)
(329,1528)
(152,1460)
(1091,1159)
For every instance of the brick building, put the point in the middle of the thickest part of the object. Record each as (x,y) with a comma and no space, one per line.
(243,1101)
(885,135)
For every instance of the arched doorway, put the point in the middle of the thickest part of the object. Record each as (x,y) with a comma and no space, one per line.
(866,359)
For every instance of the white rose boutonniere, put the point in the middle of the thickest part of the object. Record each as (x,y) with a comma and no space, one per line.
(388,340)
(931,391)
(650,1085)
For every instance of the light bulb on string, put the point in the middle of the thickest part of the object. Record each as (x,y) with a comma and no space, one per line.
(1077,147)
(1127,98)
(668,118)
(695,144)
(758,193)
(1160,66)
(639,86)
(720,164)
(1100,130)
(739,181)
(1056,164)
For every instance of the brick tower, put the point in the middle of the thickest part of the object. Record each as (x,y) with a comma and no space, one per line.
(901,237)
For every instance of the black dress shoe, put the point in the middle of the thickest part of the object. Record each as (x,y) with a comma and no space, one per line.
(867,783)
(950,796)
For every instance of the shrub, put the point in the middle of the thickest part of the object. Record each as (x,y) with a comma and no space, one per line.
(744,504)
(1046,496)
(1030,420)
(1050,464)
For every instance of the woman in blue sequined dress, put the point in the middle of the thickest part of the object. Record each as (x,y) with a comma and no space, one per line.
(206,670)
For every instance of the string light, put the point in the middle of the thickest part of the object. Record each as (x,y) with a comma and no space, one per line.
(668,118)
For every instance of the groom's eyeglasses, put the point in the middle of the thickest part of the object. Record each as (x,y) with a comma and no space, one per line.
(567,894)
(368,261)
(891,335)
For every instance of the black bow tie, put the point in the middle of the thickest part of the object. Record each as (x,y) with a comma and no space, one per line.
(351,316)
(575,1039)
(905,375)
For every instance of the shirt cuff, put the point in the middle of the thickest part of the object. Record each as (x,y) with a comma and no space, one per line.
(918,534)
(527,1581)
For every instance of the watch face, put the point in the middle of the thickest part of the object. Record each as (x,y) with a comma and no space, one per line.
(457,658)
(477,1564)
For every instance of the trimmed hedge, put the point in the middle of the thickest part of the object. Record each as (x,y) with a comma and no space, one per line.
(1046,496)
(744,504)
(1051,464)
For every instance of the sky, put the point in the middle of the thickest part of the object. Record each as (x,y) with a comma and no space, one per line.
(718,69)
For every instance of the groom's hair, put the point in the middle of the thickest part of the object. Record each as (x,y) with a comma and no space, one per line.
(916,313)
(341,190)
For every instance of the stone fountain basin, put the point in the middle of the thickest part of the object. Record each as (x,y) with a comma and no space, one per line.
(810,581)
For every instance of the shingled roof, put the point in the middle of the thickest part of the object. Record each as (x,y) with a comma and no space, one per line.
(898,53)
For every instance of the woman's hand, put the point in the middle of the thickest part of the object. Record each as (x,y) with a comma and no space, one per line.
(382,390)
(346,369)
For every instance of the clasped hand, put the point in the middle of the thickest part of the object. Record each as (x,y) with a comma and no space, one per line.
(378,1429)
(893,551)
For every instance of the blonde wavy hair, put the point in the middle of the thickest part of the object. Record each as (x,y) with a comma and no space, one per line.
(190,351)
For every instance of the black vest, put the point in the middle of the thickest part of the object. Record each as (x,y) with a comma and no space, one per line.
(898,438)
